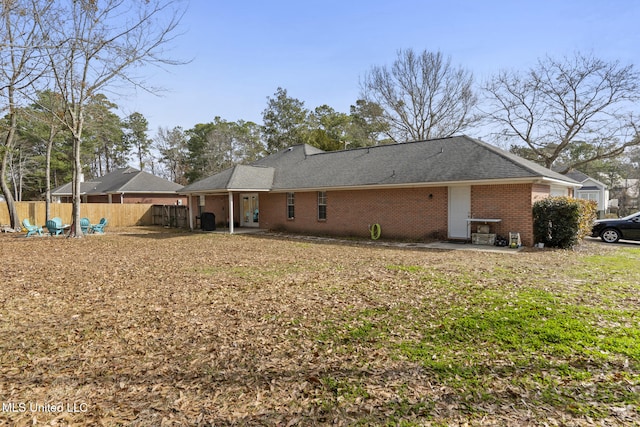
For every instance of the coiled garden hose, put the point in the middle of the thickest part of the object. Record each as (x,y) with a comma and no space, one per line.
(375,231)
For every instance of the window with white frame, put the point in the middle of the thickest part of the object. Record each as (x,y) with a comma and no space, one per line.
(322,205)
(290,205)
(591,195)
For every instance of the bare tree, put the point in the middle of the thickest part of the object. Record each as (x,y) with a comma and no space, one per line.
(98,44)
(559,103)
(423,96)
(47,110)
(20,67)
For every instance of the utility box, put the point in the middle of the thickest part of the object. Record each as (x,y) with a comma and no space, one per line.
(208,221)
(483,238)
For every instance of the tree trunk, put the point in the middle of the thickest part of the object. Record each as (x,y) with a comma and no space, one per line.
(13,213)
(47,177)
(76,230)
(8,146)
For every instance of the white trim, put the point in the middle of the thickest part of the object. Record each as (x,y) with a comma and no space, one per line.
(431,185)
(527,180)
(189,202)
(251,223)
(454,218)
(218,191)
(230,212)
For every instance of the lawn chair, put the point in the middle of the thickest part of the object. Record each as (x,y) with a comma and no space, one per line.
(31,229)
(85,225)
(54,225)
(99,227)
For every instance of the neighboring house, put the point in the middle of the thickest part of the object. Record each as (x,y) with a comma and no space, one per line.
(125,185)
(441,188)
(624,196)
(591,189)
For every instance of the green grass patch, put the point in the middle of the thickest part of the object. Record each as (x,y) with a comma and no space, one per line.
(535,338)
(363,327)
(532,322)
(343,389)
(497,333)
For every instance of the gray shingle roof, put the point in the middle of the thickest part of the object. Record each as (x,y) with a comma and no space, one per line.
(65,190)
(445,160)
(239,177)
(576,175)
(123,180)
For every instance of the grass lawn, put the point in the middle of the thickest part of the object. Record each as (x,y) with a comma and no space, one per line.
(155,328)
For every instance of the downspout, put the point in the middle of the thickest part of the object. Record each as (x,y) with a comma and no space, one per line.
(122,198)
(230,212)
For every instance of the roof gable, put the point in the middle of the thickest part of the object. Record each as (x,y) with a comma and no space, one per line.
(122,180)
(585,179)
(238,177)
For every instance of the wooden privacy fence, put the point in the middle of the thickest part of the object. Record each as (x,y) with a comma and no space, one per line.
(118,215)
(170,215)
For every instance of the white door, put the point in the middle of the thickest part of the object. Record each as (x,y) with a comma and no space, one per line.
(250,210)
(459,211)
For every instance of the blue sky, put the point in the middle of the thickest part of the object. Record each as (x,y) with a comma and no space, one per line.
(241,52)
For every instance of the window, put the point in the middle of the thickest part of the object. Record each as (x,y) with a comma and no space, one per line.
(322,205)
(589,196)
(290,206)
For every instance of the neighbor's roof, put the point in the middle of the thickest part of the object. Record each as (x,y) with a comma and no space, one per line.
(437,161)
(582,178)
(124,180)
(577,175)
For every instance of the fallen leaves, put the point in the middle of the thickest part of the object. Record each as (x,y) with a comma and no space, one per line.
(211,329)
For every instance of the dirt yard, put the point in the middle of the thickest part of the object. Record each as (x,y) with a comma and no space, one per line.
(153,328)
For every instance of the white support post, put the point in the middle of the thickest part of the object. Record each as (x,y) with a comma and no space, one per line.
(230,212)
(190,210)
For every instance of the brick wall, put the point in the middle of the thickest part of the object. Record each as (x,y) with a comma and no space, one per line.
(413,213)
(512,203)
(219,206)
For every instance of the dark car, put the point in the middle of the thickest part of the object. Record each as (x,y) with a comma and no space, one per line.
(612,230)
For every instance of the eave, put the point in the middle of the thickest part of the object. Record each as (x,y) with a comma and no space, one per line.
(528,180)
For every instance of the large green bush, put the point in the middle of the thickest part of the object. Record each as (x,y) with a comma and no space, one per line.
(561,222)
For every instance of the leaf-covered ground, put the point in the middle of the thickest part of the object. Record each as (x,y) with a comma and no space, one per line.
(157,328)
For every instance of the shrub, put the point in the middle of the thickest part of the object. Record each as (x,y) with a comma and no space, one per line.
(561,222)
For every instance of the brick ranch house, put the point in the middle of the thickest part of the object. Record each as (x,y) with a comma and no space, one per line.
(124,185)
(441,188)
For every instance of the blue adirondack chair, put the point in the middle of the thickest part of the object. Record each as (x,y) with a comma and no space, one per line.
(31,229)
(54,225)
(85,225)
(99,227)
